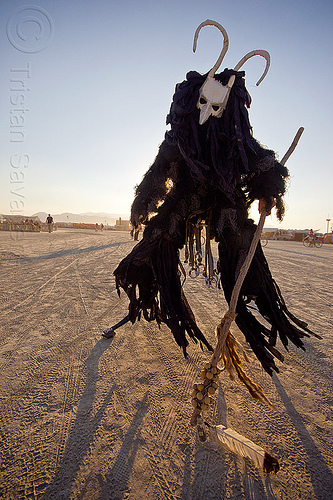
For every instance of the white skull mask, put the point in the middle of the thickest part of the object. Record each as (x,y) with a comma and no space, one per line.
(213,98)
(213,95)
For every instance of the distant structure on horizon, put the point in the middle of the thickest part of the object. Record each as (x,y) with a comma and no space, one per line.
(87,218)
(122,225)
(21,223)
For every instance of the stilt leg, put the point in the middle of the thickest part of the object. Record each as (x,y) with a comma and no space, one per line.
(110,332)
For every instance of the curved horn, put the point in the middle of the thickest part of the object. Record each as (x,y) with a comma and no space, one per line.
(209,22)
(262,53)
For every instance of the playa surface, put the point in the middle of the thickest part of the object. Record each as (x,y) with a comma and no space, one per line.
(84,417)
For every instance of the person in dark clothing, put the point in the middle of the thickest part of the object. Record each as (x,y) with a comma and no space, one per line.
(49,221)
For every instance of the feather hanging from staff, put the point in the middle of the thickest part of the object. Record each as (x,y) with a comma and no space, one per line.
(244,447)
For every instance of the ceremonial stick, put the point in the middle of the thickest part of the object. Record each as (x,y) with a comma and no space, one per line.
(231,314)
(223,328)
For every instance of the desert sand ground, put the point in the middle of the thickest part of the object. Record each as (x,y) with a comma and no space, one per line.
(84,417)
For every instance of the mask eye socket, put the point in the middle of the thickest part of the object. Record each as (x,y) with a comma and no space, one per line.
(215,107)
(202,100)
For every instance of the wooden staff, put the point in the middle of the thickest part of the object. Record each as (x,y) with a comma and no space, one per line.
(229,317)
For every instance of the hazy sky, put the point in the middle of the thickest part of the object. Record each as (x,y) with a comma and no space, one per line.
(85,87)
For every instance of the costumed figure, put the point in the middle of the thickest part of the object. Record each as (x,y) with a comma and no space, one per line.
(209,169)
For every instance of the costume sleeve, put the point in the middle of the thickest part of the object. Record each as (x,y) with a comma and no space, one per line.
(153,187)
(267,178)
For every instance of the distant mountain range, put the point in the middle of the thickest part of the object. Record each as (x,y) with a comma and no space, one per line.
(88,217)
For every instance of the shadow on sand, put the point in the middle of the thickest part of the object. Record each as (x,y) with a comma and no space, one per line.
(71,251)
(116,481)
(320,473)
(84,429)
(83,433)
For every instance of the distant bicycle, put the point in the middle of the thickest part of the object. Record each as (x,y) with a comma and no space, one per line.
(312,241)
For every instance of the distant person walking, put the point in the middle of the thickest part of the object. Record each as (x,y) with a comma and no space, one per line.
(49,221)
